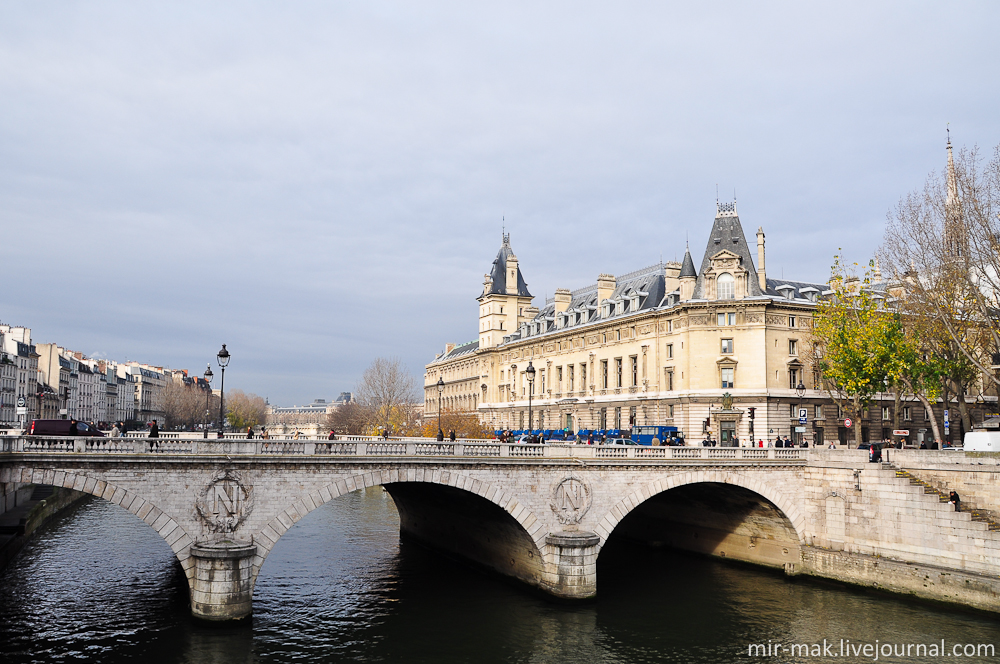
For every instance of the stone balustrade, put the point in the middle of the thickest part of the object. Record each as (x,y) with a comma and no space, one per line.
(371,446)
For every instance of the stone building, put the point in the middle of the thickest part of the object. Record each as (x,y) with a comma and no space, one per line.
(660,345)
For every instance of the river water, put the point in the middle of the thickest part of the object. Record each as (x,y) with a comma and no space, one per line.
(99,585)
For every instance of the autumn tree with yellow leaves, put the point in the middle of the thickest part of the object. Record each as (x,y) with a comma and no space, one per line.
(857,342)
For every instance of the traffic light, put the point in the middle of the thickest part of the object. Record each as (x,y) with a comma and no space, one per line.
(751,409)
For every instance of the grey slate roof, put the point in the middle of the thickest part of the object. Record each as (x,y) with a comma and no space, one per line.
(772,287)
(584,304)
(727,234)
(498,273)
(464,349)
(687,269)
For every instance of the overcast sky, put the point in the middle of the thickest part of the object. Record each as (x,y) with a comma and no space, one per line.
(318,184)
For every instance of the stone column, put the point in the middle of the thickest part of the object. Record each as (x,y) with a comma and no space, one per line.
(571,564)
(222,587)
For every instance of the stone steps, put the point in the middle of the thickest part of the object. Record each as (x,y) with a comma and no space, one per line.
(982,516)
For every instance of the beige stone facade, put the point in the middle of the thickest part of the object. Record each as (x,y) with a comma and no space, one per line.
(661,345)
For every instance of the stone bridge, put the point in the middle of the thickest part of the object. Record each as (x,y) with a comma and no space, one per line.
(538,513)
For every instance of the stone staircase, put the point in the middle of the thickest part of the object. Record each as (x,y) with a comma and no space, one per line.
(985,516)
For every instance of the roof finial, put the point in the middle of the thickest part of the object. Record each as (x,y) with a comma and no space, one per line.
(952,182)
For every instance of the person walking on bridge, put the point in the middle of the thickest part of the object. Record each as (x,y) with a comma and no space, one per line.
(954,499)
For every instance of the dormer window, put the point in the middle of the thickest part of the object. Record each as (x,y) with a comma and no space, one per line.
(810,293)
(635,303)
(726,286)
(606,311)
(787,292)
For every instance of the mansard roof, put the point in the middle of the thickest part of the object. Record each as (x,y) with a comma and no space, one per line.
(727,234)
(498,273)
(462,349)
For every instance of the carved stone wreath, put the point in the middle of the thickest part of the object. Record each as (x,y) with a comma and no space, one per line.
(571,499)
(225,502)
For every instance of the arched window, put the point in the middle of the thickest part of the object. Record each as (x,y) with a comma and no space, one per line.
(726,286)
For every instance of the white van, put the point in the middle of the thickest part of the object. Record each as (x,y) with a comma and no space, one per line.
(982,441)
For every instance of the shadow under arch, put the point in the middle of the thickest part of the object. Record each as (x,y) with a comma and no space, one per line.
(724,513)
(466,517)
(164,525)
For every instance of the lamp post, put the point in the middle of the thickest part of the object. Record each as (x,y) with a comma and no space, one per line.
(208,395)
(530,371)
(440,385)
(223,357)
(800,390)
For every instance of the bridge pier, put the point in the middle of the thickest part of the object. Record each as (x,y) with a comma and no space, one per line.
(222,584)
(571,564)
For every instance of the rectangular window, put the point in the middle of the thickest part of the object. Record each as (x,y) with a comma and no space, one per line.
(670,380)
(670,326)
(818,412)
(618,372)
(793,347)
(671,412)
(721,319)
(670,350)
(731,318)
(604,374)
(793,378)
(726,319)
(571,378)
(727,346)
(792,411)
(634,361)
(727,377)
(583,376)
(618,417)
(791,321)
(906,413)
(885,412)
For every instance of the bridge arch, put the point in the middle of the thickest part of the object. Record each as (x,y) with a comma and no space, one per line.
(163,524)
(532,527)
(753,483)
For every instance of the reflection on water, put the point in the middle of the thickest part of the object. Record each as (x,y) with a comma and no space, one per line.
(100,585)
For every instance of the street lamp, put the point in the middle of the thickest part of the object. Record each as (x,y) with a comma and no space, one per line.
(208,394)
(800,390)
(530,371)
(440,385)
(223,357)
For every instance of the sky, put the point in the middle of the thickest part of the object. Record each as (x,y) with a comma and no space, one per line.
(317,184)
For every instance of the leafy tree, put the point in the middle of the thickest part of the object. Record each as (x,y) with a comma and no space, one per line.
(464,424)
(856,342)
(245,409)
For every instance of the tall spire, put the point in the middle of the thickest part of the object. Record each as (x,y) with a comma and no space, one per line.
(952,182)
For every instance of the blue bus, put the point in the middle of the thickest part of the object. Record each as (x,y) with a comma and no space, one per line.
(655,435)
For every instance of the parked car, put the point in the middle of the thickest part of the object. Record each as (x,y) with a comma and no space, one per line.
(619,441)
(62,428)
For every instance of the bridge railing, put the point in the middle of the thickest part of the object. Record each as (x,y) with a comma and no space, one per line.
(369,446)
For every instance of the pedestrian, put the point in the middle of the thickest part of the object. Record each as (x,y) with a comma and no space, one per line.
(296,436)
(451,435)
(332,435)
(440,436)
(250,433)
(123,429)
(114,431)
(953,499)
(264,434)
(154,433)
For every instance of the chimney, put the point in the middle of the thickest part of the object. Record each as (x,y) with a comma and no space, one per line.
(512,275)
(563,298)
(761,276)
(448,348)
(605,286)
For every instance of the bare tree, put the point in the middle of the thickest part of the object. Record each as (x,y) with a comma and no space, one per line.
(183,404)
(350,418)
(942,246)
(386,393)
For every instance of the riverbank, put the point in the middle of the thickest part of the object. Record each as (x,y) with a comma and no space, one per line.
(18,524)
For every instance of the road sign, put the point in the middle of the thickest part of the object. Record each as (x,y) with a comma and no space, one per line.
(900,432)
(800,429)
(946,417)
(803,414)
(22,411)
(848,422)
(21,403)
